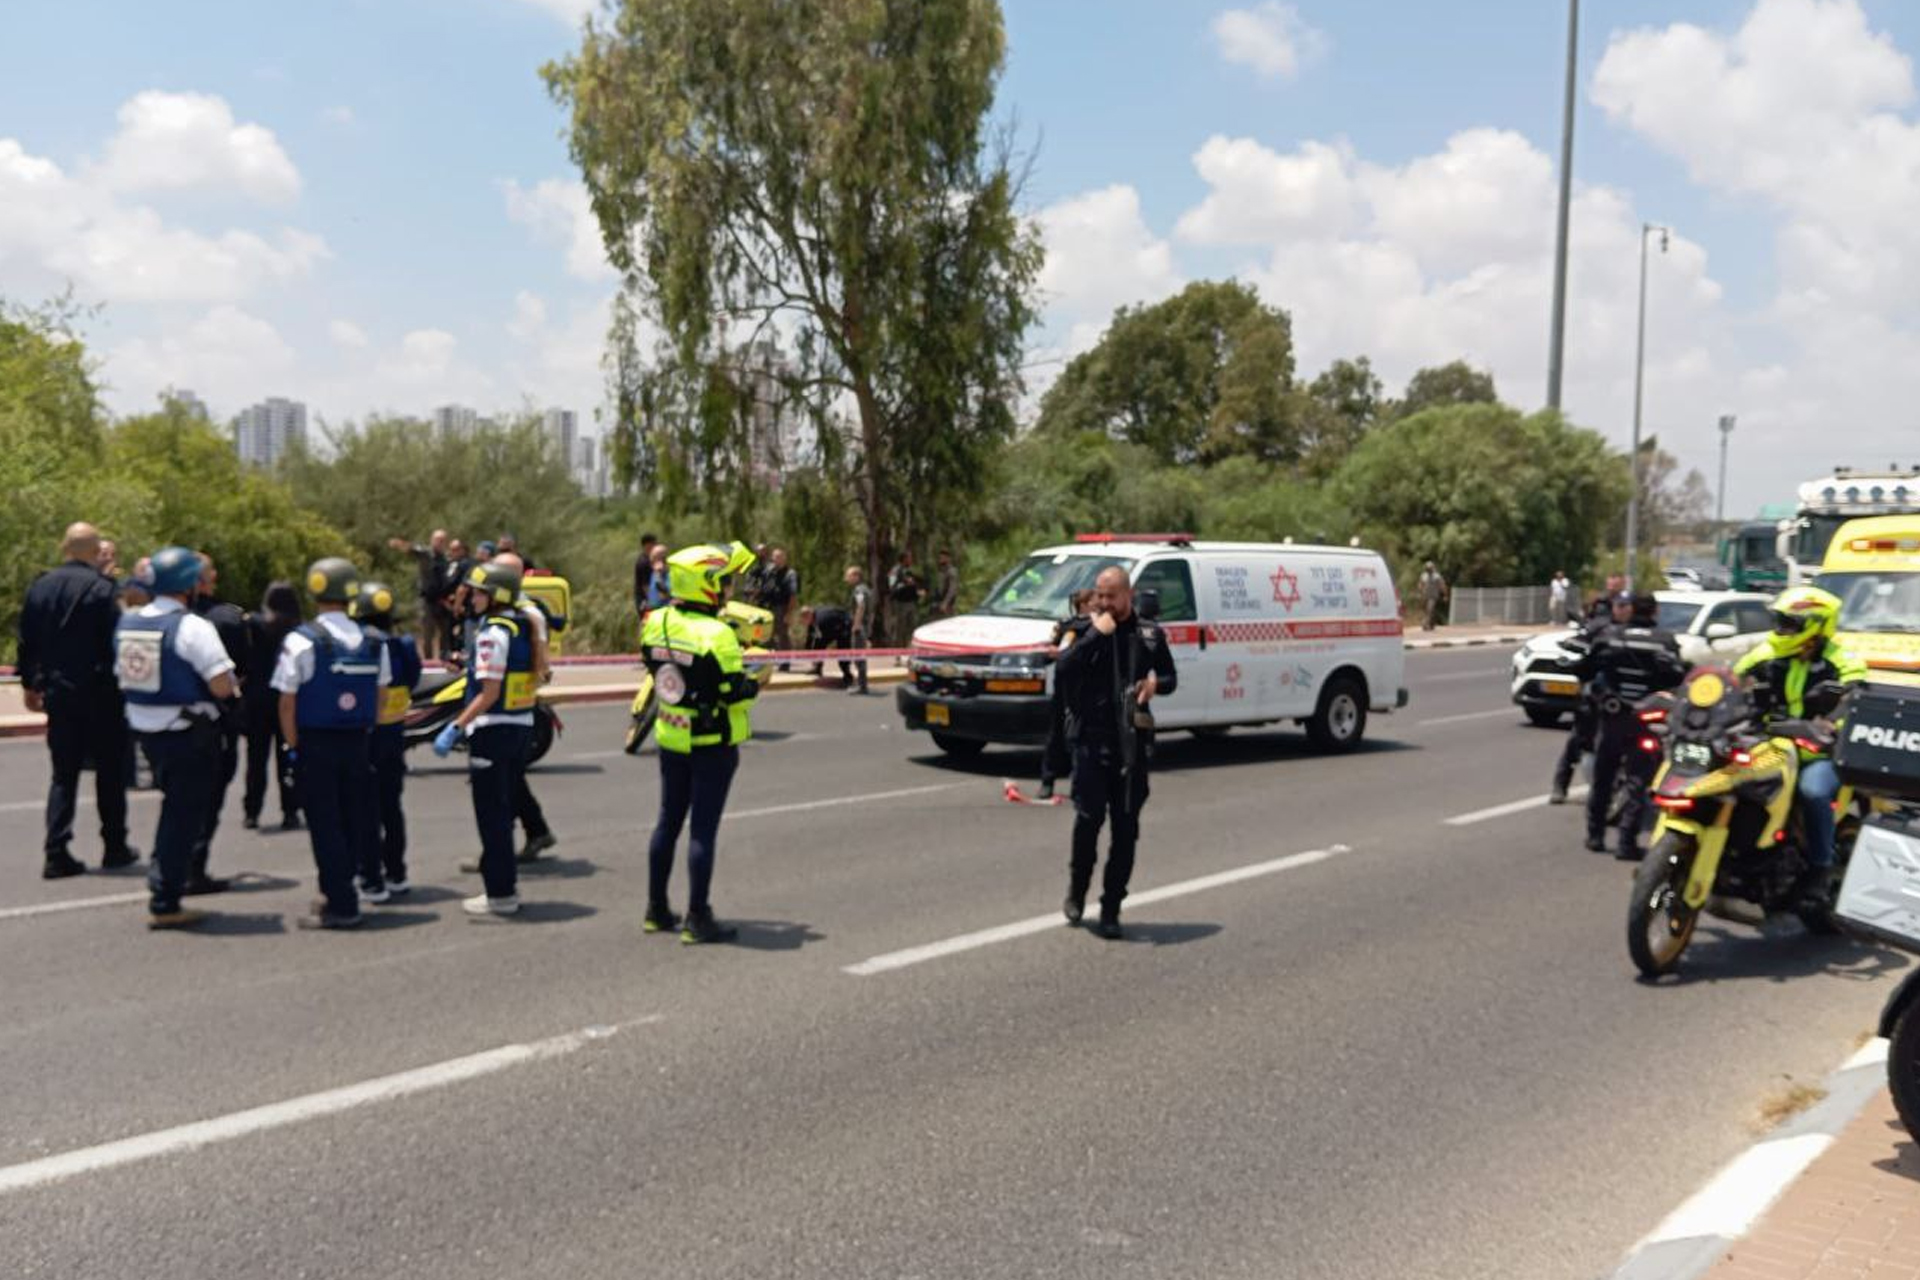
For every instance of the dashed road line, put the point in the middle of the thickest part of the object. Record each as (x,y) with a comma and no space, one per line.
(1508,810)
(72,904)
(312,1106)
(1462,719)
(1038,924)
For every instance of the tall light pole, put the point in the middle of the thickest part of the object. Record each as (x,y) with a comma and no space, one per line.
(1639,386)
(1720,504)
(1557,343)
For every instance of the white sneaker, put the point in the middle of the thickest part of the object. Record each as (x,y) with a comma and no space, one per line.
(375,896)
(485,906)
(395,888)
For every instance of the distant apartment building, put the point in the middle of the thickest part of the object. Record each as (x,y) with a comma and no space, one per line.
(187,401)
(563,429)
(776,433)
(455,421)
(263,432)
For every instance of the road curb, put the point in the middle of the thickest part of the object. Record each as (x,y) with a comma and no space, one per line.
(33,726)
(1695,1236)
(1515,637)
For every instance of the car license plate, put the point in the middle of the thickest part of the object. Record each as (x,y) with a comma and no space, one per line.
(1568,687)
(937,713)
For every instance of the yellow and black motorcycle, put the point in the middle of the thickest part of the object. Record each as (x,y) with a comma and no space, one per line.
(752,624)
(1729,829)
(437,699)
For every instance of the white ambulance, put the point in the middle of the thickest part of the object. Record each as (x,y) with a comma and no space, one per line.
(1261,632)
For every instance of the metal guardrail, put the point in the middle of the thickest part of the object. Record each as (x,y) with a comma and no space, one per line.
(1508,606)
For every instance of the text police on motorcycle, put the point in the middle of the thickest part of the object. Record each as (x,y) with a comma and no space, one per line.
(1107,677)
(330,678)
(1800,656)
(174,672)
(497,722)
(704,691)
(1625,664)
(385,858)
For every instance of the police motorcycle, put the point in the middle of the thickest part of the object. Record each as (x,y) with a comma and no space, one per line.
(1730,828)
(752,624)
(1879,753)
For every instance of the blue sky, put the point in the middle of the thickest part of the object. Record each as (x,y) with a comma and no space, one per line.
(369,205)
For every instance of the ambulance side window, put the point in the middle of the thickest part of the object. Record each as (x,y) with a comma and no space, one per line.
(1174,582)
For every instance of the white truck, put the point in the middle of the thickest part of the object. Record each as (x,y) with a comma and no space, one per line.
(1260,632)
(1829,502)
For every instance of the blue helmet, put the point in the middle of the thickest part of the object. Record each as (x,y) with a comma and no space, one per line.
(176,571)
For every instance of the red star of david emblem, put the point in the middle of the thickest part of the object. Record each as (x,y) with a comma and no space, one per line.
(1286,588)
(1233,674)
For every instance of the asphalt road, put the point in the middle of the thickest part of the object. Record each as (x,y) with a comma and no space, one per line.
(1418,1051)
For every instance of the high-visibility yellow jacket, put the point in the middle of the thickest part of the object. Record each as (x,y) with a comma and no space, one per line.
(699,680)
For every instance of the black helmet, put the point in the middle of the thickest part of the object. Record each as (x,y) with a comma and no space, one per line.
(499,582)
(374,604)
(333,580)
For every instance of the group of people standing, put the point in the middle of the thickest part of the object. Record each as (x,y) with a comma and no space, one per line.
(160,666)
(444,564)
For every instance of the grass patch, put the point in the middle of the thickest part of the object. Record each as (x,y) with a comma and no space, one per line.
(1785,1103)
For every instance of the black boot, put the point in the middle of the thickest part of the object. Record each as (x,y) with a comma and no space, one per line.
(1109,926)
(61,864)
(1074,908)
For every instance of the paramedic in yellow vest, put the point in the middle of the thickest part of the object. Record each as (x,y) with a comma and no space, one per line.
(498,725)
(1798,657)
(704,691)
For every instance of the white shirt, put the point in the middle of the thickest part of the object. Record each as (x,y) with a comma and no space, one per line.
(198,643)
(295,665)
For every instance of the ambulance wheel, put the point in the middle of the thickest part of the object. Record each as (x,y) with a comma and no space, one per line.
(1545,717)
(542,734)
(1341,720)
(958,748)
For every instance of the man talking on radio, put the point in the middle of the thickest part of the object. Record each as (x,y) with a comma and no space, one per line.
(1108,676)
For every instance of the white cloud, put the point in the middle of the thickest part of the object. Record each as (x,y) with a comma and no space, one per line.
(1100,255)
(1259,195)
(1271,38)
(559,213)
(58,228)
(570,12)
(226,354)
(348,335)
(177,141)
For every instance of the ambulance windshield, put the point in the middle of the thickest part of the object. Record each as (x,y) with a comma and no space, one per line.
(1043,586)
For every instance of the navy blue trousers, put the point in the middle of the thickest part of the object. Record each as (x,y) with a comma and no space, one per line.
(335,780)
(693,783)
(186,763)
(496,770)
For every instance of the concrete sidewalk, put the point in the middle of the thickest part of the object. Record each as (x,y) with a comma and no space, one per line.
(1854,1213)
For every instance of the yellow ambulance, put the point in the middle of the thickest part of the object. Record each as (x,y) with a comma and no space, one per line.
(1873,565)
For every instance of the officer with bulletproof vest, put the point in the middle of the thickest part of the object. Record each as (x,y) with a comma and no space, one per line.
(67,625)
(1626,663)
(1602,614)
(174,673)
(384,863)
(705,693)
(497,722)
(230,624)
(1108,677)
(330,678)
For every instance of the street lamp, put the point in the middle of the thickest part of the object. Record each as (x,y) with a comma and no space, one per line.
(1720,504)
(1647,229)
(1557,343)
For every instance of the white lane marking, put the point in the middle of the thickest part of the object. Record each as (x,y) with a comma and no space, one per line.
(837,801)
(1471,715)
(24,806)
(1741,1192)
(1039,924)
(239,1124)
(1508,810)
(72,904)
(1481,673)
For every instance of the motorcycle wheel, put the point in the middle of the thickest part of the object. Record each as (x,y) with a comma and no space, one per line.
(542,734)
(1659,922)
(639,728)
(1903,1067)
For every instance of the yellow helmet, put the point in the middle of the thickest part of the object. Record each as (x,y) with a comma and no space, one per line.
(699,575)
(1800,615)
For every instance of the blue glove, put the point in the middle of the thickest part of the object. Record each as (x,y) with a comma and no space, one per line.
(444,740)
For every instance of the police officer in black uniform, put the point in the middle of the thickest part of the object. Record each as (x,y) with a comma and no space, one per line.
(230,624)
(1108,678)
(66,667)
(1626,663)
(174,673)
(1602,614)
